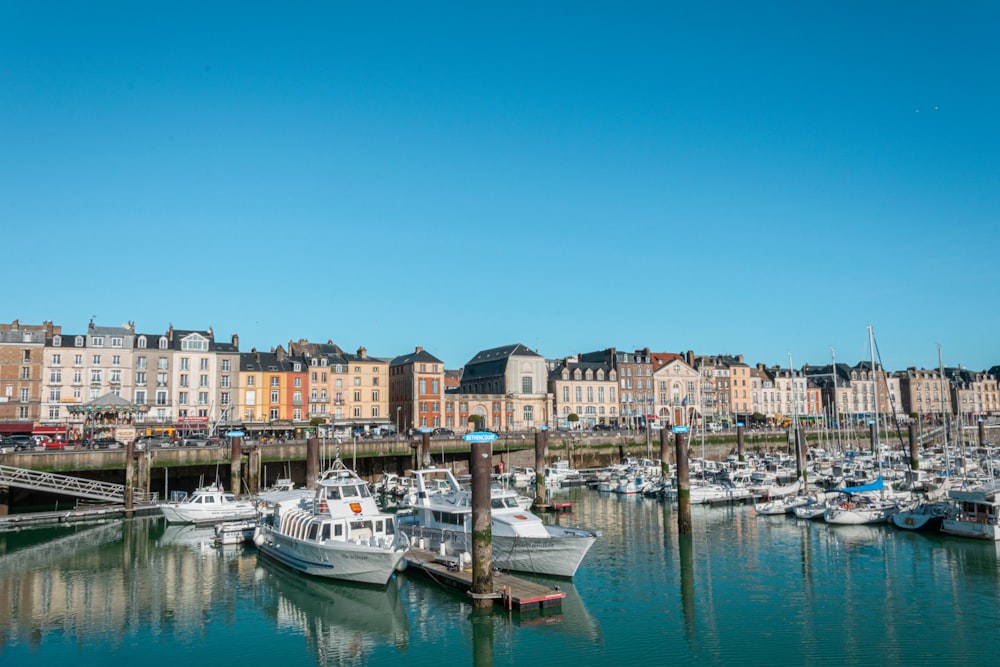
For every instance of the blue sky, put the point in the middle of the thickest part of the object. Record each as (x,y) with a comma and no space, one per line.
(726,177)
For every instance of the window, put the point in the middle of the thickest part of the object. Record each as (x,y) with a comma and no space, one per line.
(274,413)
(565,393)
(202,380)
(78,360)
(297,382)
(526,384)
(224,398)
(140,396)
(141,343)
(375,411)
(77,376)
(250,380)
(116,376)
(54,395)
(56,360)
(434,387)
(275,382)
(357,411)
(182,398)
(224,382)
(274,395)
(185,363)
(162,343)
(202,398)
(140,362)
(375,395)
(203,364)
(161,363)
(225,365)
(161,397)
(161,379)
(357,396)
(98,341)
(194,344)
(116,341)
(97,360)
(423,387)
(357,382)
(184,380)
(54,412)
(55,375)
(95,376)
(26,373)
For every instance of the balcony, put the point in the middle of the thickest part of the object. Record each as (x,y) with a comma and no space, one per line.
(321,399)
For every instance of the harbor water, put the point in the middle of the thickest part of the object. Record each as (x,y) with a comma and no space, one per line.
(742,589)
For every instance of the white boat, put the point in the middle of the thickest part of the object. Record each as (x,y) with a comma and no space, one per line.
(209,504)
(979,513)
(861,505)
(778,506)
(442,522)
(337,531)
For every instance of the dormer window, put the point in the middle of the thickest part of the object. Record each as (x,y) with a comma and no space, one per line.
(194,343)
(78,341)
(141,344)
(57,341)
(162,344)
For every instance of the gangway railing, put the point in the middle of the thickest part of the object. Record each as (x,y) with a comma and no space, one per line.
(71,486)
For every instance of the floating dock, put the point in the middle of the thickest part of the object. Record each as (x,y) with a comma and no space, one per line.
(512,592)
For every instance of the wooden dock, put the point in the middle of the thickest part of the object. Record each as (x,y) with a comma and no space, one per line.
(510,591)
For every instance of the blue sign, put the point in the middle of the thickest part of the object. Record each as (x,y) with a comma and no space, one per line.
(740,424)
(235,434)
(426,430)
(480,436)
(546,428)
(680,429)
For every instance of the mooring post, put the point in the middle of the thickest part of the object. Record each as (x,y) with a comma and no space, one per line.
(480,465)
(129,474)
(911,432)
(253,471)
(235,464)
(683,485)
(982,433)
(740,429)
(425,448)
(540,445)
(312,462)
(664,453)
(482,638)
(873,438)
(800,436)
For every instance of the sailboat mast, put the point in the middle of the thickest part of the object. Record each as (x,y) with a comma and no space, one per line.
(875,445)
(944,415)
(836,406)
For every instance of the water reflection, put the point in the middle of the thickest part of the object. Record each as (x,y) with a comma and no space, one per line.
(342,623)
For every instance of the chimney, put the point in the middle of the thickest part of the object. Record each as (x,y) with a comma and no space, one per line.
(211,334)
(363,352)
(236,341)
(419,349)
(690,358)
(739,358)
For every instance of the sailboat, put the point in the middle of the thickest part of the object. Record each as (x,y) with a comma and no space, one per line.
(867,503)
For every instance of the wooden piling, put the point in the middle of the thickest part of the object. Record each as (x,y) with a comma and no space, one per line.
(541,438)
(235,464)
(740,434)
(873,438)
(480,465)
(425,448)
(683,485)
(312,462)
(129,474)
(911,432)
(665,452)
(982,433)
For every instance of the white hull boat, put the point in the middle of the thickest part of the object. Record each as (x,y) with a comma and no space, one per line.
(442,523)
(339,532)
(209,505)
(979,513)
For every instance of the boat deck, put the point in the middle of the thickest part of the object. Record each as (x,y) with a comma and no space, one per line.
(513,592)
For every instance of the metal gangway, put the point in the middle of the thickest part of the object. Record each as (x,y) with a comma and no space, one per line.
(72,486)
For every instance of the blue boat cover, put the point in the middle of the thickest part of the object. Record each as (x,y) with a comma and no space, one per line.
(871,486)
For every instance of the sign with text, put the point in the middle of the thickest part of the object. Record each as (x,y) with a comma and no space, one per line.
(480,436)
(680,429)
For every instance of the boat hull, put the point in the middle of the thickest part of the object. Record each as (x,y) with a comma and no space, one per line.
(175,513)
(346,561)
(971,529)
(558,555)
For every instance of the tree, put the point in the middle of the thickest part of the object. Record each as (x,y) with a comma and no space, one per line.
(573,418)
(476,421)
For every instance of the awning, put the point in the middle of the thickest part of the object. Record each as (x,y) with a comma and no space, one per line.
(49,430)
(16,427)
(877,485)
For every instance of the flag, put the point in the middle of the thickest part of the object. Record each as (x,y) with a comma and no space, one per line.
(685,401)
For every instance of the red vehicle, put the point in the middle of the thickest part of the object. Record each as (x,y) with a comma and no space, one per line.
(55,444)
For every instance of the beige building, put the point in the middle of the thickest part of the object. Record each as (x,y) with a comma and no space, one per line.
(507,387)
(588,390)
(678,392)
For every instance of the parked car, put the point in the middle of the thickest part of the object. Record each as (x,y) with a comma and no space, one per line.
(443,431)
(603,427)
(19,442)
(195,441)
(105,443)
